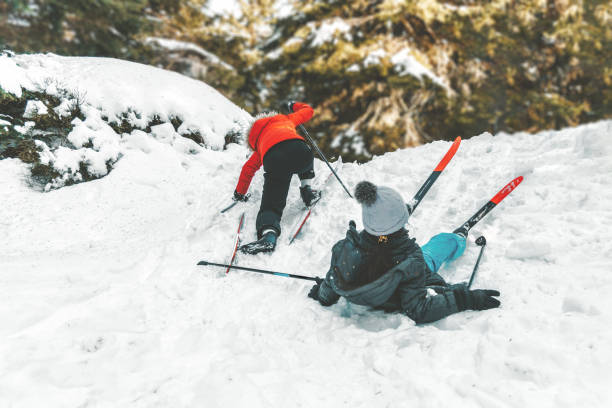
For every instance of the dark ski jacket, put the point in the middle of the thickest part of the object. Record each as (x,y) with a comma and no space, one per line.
(404,287)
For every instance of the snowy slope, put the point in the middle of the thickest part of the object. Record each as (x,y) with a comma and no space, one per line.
(102,304)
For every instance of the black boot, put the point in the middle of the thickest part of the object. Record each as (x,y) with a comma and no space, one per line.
(266,243)
(309,196)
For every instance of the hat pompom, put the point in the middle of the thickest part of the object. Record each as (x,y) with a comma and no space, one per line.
(365,193)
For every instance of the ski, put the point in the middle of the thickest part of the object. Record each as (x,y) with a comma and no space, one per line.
(434,176)
(236,242)
(485,209)
(298,226)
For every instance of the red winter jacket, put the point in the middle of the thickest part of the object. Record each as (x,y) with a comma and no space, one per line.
(267,132)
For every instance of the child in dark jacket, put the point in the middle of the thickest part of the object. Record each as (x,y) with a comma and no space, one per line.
(383,268)
(282,152)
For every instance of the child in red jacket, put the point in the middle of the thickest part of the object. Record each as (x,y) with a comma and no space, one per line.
(283,153)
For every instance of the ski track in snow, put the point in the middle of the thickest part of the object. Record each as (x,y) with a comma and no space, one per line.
(103,304)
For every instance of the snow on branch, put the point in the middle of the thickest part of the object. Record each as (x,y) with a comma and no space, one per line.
(176,45)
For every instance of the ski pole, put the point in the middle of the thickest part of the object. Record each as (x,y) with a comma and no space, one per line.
(229,207)
(242,268)
(481,242)
(312,142)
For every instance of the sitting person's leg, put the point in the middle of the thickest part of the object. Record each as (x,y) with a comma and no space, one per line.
(441,248)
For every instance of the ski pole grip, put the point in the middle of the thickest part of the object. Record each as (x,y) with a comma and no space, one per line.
(202,263)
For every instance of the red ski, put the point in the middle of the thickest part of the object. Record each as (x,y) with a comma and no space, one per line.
(236,243)
(434,175)
(485,209)
(298,226)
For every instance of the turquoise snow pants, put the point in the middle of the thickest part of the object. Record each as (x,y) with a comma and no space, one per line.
(441,248)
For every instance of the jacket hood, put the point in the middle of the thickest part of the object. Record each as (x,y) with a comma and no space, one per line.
(254,125)
(365,245)
(380,290)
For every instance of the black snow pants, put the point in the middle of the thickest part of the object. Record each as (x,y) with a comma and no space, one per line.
(281,162)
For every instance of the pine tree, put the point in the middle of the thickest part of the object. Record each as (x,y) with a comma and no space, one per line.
(527,65)
(357,63)
(381,74)
(80,27)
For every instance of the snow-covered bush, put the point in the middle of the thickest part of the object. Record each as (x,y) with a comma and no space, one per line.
(69,117)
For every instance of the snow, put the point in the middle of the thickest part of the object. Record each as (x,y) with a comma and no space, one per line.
(232,8)
(65,107)
(103,304)
(34,108)
(27,126)
(284,9)
(374,57)
(11,78)
(109,90)
(115,87)
(274,54)
(351,142)
(403,61)
(329,31)
(176,45)
(406,64)
(19,22)
(292,42)
(223,7)
(353,68)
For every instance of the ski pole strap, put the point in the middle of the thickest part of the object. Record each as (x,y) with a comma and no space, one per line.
(242,268)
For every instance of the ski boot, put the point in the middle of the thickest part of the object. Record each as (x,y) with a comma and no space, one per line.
(266,243)
(309,196)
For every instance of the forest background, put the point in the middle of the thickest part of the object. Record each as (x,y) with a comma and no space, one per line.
(381,75)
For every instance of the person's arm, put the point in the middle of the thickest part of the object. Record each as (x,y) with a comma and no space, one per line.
(327,296)
(248,171)
(454,298)
(323,292)
(302,113)
(423,309)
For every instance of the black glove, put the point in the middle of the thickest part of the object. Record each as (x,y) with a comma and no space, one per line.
(314,291)
(288,106)
(479,299)
(240,197)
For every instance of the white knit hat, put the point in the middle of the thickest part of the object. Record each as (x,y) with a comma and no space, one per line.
(383,209)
